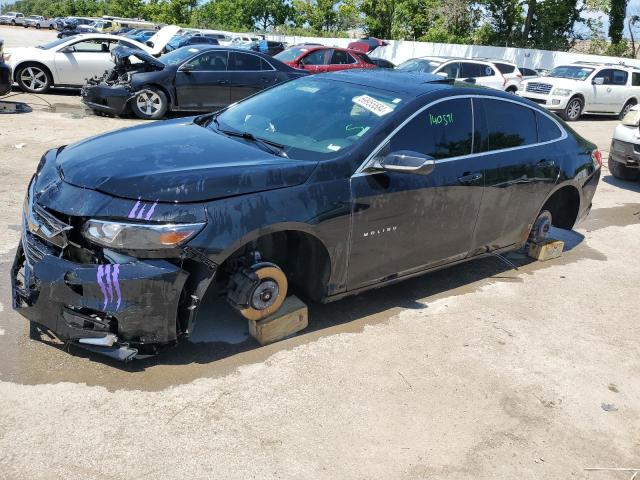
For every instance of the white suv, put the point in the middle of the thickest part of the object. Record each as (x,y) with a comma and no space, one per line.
(12,18)
(582,87)
(487,73)
(624,154)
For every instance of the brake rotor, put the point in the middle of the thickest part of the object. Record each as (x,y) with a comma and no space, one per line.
(541,227)
(268,294)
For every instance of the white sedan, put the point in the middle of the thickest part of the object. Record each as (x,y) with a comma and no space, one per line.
(70,61)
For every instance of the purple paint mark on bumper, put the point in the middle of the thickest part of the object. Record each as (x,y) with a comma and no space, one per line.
(150,212)
(116,284)
(107,276)
(99,276)
(132,213)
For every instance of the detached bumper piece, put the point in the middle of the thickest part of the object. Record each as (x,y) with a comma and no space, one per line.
(111,309)
(110,99)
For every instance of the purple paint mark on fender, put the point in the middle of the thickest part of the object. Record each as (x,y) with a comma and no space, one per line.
(101,284)
(107,275)
(132,213)
(116,283)
(150,212)
(141,212)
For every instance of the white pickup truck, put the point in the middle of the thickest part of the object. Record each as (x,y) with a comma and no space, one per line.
(38,22)
(12,18)
(585,87)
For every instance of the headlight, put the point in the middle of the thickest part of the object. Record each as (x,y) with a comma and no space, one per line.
(561,92)
(136,236)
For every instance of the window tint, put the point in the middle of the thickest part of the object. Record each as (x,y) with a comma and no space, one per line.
(341,58)
(264,65)
(510,124)
(476,70)
(92,46)
(244,62)
(213,61)
(528,72)
(452,70)
(315,58)
(612,76)
(505,67)
(547,128)
(442,131)
(635,79)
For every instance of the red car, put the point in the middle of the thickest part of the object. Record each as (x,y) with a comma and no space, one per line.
(367,44)
(318,59)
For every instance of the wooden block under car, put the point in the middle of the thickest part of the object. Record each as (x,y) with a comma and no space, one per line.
(292,317)
(546,250)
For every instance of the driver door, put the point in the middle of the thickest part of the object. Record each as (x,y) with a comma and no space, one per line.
(204,83)
(405,222)
(317,60)
(81,60)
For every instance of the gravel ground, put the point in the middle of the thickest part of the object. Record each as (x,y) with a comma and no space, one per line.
(478,371)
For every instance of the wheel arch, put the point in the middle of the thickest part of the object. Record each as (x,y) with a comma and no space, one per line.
(164,89)
(564,205)
(295,248)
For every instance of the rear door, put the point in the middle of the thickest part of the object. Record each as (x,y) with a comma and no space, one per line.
(521,165)
(611,95)
(203,83)
(481,74)
(248,74)
(82,60)
(451,70)
(405,222)
(341,60)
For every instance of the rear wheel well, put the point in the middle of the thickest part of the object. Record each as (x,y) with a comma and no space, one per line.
(564,206)
(303,258)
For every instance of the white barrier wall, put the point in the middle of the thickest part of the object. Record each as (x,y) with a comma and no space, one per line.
(399,50)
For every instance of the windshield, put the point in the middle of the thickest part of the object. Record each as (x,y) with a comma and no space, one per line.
(176,57)
(426,66)
(55,43)
(33,17)
(311,118)
(571,71)
(290,54)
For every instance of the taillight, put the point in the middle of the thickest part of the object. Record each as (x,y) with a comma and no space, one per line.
(596,155)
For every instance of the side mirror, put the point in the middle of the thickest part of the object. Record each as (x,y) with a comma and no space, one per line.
(598,81)
(186,69)
(67,50)
(470,80)
(405,161)
(442,74)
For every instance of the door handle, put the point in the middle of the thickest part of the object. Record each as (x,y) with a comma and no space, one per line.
(222,82)
(470,178)
(546,163)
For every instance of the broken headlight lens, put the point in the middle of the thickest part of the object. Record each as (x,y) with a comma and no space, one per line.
(137,236)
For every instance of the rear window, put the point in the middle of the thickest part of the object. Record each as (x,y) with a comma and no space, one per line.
(476,70)
(635,79)
(510,124)
(547,129)
(505,67)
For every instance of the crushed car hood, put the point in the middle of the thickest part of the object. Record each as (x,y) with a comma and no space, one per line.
(120,54)
(176,161)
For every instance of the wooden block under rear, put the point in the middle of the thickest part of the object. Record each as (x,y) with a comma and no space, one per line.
(546,250)
(292,317)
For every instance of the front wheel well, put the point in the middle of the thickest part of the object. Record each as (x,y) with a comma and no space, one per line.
(303,258)
(564,206)
(159,87)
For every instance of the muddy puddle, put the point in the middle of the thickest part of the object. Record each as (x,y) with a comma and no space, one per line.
(69,110)
(221,343)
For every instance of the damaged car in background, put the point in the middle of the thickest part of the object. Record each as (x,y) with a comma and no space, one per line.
(194,78)
(324,186)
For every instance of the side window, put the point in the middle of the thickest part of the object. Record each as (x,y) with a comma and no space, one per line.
(264,65)
(547,128)
(244,62)
(476,70)
(452,70)
(509,124)
(92,46)
(619,77)
(213,61)
(315,58)
(635,79)
(505,67)
(341,58)
(442,131)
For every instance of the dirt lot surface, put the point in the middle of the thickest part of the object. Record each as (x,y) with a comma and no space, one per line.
(479,371)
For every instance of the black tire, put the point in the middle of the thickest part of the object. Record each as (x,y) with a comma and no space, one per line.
(37,26)
(623,172)
(540,228)
(512,90)
(625,109)
(573,110)
(150,103)
(51,27)
(13,23)
(33,78)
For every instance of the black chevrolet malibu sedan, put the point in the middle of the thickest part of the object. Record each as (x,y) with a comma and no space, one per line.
(193,78)
(324,186)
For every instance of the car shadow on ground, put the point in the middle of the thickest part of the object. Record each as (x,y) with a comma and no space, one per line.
(221,332)
(634,186)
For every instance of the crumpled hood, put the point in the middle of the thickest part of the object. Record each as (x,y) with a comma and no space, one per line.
(120,54)
(176,161)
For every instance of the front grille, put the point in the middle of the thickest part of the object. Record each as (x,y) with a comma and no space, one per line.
(35,250)
(541,88)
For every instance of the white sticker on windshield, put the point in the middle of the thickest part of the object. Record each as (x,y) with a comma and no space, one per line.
(193,50)
(396,100)
(373,105)
(333,148)
(308,89)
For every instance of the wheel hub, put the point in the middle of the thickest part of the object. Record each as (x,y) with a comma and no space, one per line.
(265,294)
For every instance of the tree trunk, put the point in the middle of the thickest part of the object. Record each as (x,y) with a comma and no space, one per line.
(531,10)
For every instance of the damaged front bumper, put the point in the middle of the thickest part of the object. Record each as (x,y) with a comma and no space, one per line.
(110,99)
